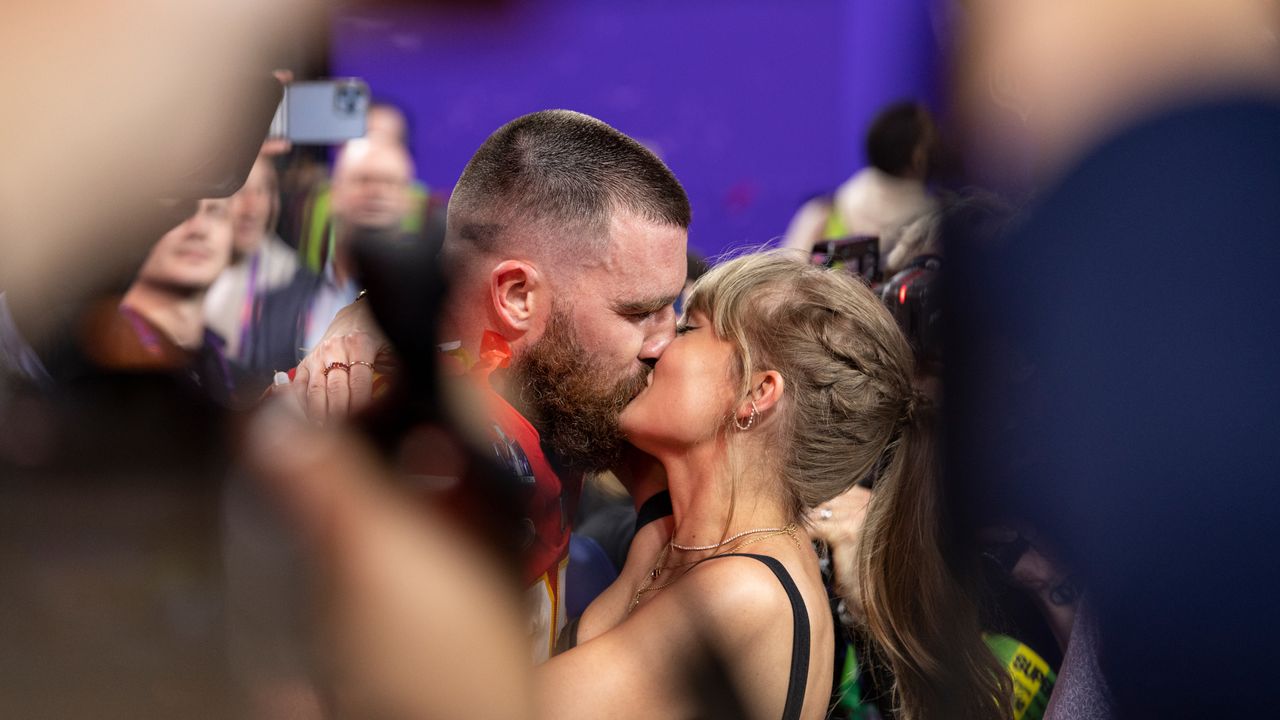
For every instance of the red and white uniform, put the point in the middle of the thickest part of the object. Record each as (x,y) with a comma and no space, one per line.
(549,500)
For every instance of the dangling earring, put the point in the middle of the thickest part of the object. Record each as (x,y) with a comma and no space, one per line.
(750,420)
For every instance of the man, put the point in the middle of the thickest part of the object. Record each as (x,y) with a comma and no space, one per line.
(369,194)
(565,244)
(159,325)
(323,217)
(386,122)
(260,260)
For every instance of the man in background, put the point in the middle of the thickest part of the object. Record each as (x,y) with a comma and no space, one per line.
(260,261)
(159,324)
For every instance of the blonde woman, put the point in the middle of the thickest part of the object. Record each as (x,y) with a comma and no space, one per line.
(787,383)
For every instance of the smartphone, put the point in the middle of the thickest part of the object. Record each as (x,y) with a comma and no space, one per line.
(322,112)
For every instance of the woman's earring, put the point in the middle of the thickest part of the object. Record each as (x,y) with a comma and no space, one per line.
(750,420)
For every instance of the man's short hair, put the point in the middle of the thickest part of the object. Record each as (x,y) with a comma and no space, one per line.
(563,172)
(895,134)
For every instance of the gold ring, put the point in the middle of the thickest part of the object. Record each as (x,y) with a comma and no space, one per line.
(361,362)
(336,366)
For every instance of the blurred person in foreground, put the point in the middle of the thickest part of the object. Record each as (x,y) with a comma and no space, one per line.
(113,601)
(900,146)
(260,262)
(1113,375)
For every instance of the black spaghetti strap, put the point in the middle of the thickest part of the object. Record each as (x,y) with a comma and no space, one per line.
(799,640)
(656,507)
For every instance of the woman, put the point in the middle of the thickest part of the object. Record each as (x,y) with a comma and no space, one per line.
(785,385)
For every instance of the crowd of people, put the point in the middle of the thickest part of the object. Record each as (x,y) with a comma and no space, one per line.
(365,448)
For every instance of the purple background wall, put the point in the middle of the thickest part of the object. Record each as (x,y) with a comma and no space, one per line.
(755,105)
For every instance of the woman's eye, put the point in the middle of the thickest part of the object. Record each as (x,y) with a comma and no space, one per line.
(682,329)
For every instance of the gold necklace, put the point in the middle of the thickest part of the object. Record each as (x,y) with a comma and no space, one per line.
(648,585)
(726,541)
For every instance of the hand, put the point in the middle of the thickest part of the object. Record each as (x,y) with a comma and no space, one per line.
(838,523)
(357,346)
(415,621)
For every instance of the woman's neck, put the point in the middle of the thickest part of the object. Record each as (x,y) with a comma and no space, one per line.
(178,315)
(701,481)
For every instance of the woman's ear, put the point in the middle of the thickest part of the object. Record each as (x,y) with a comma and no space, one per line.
(766,392)
(517,292)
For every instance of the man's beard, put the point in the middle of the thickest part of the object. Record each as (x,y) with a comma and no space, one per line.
(572,401)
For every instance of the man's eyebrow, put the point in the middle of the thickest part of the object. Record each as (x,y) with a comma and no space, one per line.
(642,307)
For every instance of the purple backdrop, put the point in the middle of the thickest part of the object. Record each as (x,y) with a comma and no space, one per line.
(755,105)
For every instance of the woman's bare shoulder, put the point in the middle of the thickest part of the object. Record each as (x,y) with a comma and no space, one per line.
(734,591)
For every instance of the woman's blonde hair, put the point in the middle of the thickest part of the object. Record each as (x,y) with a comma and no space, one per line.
(850,411)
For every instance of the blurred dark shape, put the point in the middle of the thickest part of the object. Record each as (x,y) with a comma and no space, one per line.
(901,140)
(1113,382)
(111,578)
(858,255)
(914,295)
(407,288)
(914,298)
(112,601)
(696,266)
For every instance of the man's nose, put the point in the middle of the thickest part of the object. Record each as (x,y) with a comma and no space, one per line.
(662,333)
(196,226)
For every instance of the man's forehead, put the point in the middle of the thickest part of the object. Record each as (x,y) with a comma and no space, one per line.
(644,258)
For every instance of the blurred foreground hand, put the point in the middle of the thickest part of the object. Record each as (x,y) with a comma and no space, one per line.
(416,622)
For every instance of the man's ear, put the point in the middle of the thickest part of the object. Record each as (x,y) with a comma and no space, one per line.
(517,292)
(766,392)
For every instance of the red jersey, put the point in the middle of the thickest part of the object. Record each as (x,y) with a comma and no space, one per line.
(548,502)
(517,447)
(547,499)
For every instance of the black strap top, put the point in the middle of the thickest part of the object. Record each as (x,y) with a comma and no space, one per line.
(799,639)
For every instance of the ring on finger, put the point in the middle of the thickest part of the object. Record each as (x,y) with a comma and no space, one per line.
(336,366)
(360,362)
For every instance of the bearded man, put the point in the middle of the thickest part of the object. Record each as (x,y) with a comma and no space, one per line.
(565,246)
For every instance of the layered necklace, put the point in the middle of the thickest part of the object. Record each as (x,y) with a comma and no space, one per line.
(742,540)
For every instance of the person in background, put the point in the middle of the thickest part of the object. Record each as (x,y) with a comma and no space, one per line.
(878,199)
(260,261)
(387,123)
(369,198)
(311,215)
(159,324)
(369,195)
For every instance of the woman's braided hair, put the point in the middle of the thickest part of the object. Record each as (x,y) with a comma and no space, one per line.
(846,366)
(849,410)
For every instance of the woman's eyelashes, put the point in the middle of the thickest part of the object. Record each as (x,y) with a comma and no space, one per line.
(683,328)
